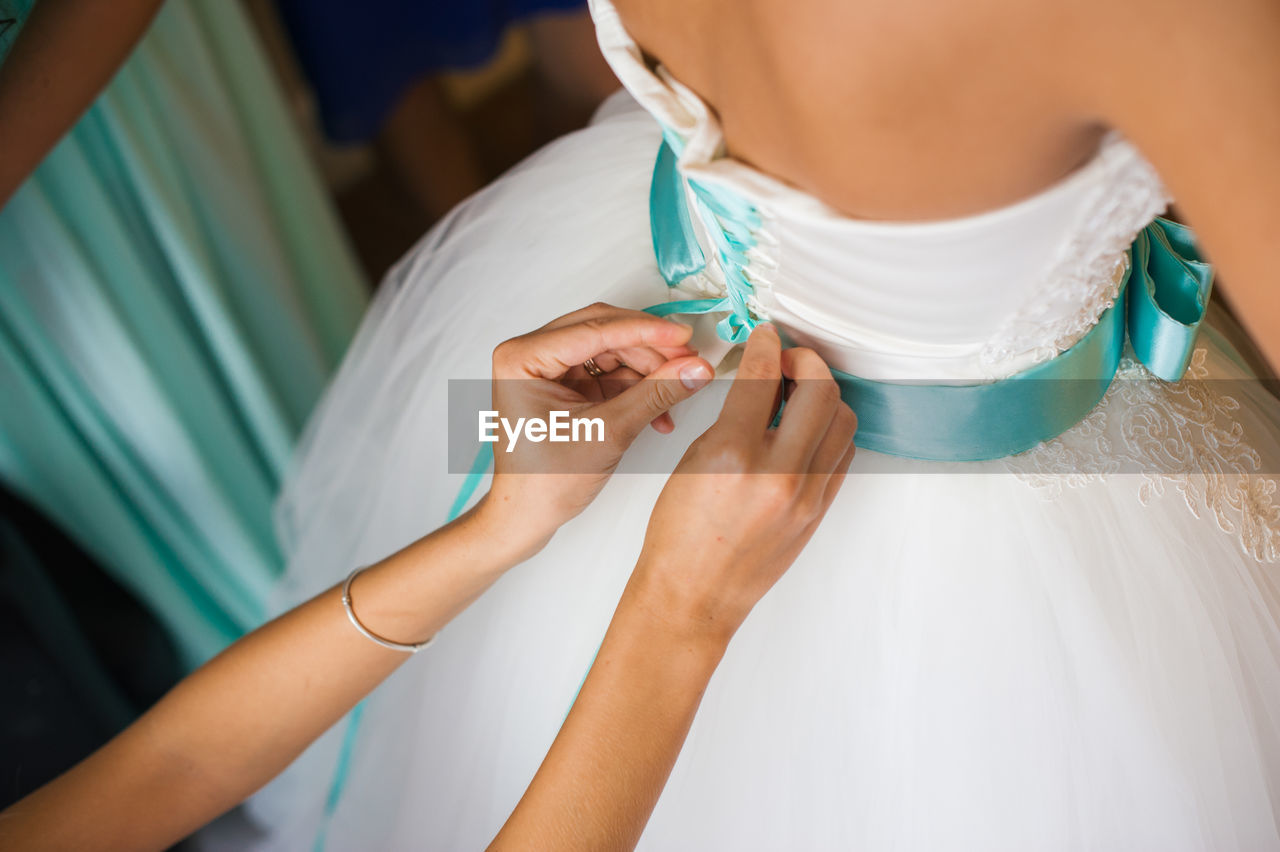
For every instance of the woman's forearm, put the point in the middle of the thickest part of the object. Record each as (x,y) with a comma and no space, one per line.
(238,721)
(609,763)
(65,55)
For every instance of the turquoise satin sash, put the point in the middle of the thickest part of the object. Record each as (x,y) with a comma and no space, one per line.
(1160,304)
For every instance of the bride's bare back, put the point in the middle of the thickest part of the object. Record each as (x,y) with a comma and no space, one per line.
(927,109)
(870,106)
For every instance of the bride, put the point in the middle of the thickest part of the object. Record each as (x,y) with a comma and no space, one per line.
(1040,617)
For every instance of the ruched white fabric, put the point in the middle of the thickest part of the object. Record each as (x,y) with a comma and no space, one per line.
(1074,648)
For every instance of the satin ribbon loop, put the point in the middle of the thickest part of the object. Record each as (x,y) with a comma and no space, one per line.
(675,244)
(1171,285)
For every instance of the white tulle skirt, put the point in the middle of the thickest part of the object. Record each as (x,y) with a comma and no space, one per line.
(1024,654)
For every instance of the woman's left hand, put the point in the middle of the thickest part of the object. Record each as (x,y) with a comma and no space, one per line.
(646,368)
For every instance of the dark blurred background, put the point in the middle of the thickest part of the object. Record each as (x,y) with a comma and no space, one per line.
(463,128)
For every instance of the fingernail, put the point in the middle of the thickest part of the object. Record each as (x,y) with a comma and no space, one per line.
(695,376)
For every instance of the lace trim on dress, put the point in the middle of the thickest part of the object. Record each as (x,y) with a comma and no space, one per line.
(1085,278)
(1181,438)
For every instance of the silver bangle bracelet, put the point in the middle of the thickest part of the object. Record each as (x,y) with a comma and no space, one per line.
(369,634)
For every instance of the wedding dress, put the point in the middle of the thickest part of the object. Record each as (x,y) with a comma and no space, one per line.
(1076,646)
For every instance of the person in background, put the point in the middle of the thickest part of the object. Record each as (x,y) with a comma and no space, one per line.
(375,69)
(174,292)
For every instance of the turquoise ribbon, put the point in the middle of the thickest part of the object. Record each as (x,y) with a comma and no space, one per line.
(674,240)
(1160,305)
(955,422)
(731,223)
(1169,298)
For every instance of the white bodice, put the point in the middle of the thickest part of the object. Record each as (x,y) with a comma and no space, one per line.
(974,298)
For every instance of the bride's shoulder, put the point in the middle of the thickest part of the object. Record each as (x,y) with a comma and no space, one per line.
(1100,48)
(979,102)
(1130,61)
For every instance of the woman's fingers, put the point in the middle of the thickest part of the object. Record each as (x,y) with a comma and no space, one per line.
(578,380)
(752,399)
(627,346)
(550,354)
(827,488)
(835,441)
(606,362)
(670,352)
(663,424)
(637,344)
(833,489)
(642,359)
(812,404)
(613,383)
(618,381)
(601,311)
(646,359)
(837,478)
(623,379)
(649,399)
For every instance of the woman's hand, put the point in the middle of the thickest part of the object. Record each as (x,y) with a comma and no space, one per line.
(733,516)
(746,498)
(648,368)
(231,726)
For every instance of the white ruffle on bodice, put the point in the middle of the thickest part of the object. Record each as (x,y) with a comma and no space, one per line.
(975,298)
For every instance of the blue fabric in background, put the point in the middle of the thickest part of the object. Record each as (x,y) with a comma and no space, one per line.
(175,289)
(362,57)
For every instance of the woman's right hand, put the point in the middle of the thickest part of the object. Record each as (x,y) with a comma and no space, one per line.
(746,498)
(733,516)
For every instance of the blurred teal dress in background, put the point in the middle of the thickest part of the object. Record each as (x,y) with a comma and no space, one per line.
(174,292)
